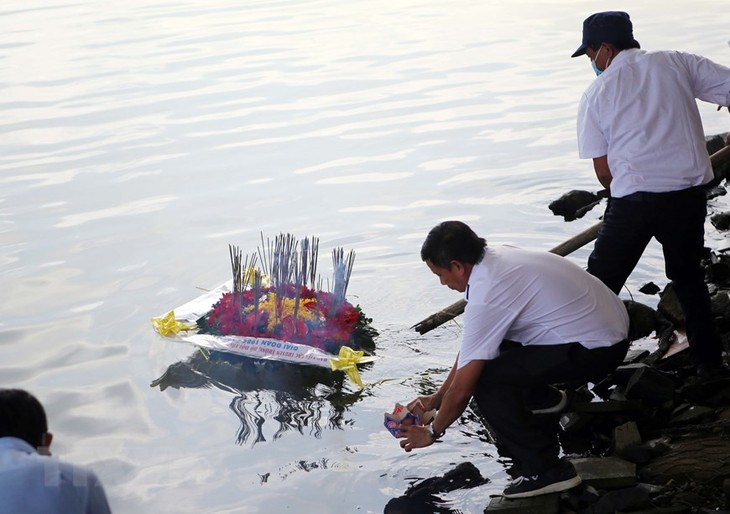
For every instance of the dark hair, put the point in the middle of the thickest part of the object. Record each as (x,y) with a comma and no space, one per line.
(624,44)
(22,416)
(452,241)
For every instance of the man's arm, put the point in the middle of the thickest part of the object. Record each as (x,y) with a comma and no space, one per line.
(603,172)
(461,385)
(433,401)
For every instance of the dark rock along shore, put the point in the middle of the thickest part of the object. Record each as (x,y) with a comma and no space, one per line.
(651,438)
(653,413)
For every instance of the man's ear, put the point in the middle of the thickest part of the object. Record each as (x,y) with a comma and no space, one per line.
(46,440)
(457,266)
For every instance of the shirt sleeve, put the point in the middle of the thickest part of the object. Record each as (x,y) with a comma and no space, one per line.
(485,327)
(710,81)
(591,141)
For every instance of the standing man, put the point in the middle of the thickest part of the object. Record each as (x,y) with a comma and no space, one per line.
(640,124)
(31,482)
(531,320)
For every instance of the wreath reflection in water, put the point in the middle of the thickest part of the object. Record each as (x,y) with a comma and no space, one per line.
(295,398)
(279,311)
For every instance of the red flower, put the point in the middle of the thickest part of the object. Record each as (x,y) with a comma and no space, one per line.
(235,316)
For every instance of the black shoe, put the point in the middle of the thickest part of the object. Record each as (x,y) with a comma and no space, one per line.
(560,478)
(554,400)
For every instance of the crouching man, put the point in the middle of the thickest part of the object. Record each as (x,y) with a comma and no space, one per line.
(532,319)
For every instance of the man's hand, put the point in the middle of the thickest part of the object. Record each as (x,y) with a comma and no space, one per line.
(414,436)
(429,402)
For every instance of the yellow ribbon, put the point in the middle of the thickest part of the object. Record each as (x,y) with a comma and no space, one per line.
(347,362)
(249,274)
(167,325)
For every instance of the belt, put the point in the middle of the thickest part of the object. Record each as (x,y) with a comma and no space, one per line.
(643,196)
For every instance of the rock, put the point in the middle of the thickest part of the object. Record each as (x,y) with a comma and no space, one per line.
(625,437)
(622,500)
(422,497)
(642,319)
(606,473)
(655,396)
(669,306)
(718,272)
(649,288)
(692,414)
(545,504)
(650,385)
(714,144)
(721,221)
(574,204)
(701,458)
(714,192)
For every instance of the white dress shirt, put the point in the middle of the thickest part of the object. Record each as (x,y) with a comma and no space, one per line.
(536,298)
(642,112)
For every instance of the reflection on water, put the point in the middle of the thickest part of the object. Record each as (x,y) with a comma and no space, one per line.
(140,136)
(306,399)
(422,497)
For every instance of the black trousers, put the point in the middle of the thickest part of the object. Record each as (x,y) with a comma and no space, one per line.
(677,220)
(521,372)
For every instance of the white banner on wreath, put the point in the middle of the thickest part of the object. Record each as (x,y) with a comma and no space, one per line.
(262,348)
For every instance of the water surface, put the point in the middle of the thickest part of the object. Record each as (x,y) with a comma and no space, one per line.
(141,137)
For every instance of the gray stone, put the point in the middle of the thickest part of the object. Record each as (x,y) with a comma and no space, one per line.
(650,385)
(606,472)
(669,306)
(622,499)
(721,221)
(624,437)
(649,288)
(642,319)
(545,504)
(693,414)
(572,422)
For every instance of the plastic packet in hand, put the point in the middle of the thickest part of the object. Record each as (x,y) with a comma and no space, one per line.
(424,417)
(402,416)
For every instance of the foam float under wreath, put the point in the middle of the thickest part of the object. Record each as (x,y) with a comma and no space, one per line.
(279,310)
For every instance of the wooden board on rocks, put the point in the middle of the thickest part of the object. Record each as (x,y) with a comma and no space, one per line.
(545,504)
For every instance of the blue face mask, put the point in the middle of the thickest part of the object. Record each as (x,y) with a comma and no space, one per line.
(595,68)
(594,65)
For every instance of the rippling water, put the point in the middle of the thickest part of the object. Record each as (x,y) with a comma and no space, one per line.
(139,138)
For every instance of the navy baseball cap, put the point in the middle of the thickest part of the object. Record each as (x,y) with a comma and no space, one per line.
(605,27)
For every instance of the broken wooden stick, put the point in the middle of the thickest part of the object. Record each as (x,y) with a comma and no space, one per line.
(579,240)
(453,310)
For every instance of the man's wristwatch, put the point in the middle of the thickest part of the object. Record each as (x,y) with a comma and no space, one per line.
(435,436)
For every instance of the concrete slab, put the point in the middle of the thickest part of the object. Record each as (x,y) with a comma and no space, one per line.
(545,504)
(606,472)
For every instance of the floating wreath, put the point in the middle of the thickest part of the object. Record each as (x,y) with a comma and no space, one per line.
(276,307)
